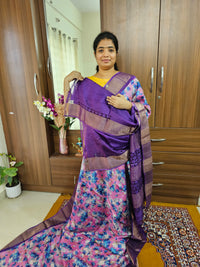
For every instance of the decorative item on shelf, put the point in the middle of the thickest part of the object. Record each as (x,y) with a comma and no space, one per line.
(9,176)
(54,113)
(79,147)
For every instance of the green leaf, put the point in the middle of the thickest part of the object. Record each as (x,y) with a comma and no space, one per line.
(12,158)
(15,180)
(10,179)
(47,118)
(18,164)
(2,180)
(2,170)
(11,171)
(55,127)
(68,122)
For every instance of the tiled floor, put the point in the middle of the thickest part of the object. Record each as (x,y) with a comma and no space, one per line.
(19,214)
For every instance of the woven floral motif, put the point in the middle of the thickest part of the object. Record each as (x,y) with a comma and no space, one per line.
(172,232)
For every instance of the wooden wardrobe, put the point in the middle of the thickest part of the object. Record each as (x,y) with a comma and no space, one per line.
(159,42)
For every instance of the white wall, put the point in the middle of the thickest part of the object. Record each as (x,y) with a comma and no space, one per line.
(3,148)
(90,29)
(69,15)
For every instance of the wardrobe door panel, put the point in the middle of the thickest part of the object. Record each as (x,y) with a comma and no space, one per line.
(178,101)
(136,25)
(176,175)
(20,82)
(65,171)
(175,140)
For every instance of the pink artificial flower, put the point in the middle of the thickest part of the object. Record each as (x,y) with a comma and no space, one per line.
(44,99)
(61,99)
(55,113)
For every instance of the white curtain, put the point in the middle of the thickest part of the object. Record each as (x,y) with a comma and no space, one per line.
(63,52)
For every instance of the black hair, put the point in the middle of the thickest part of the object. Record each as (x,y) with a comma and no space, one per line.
(109,36)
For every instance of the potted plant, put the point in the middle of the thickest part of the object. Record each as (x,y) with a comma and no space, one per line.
(9,176)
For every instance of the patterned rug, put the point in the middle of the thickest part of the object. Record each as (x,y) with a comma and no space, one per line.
(172,233)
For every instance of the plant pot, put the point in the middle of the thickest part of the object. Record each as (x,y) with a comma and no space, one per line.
(13,191)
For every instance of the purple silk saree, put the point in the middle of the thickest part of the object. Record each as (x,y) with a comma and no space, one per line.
(99,226)
(112,137)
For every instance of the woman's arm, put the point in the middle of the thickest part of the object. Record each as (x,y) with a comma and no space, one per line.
(131,94)
(140,97)
(74,75)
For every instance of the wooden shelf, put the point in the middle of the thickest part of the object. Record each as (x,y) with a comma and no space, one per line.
(65,170)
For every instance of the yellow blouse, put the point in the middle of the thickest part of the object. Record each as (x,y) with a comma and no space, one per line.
(99,81)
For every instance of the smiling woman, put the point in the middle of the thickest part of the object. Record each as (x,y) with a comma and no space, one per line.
(105,55)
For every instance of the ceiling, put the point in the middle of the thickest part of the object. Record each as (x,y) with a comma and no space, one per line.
(87,5)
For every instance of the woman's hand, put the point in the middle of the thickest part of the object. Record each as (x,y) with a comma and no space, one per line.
(74,75)
(119,101)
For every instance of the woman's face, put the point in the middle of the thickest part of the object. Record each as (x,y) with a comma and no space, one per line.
(106,54)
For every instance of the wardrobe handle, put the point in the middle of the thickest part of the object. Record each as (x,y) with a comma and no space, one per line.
(152,76)
(74,179)
(158,163)
(158,140)
(35,83)
(157,184)
(162,78)
(48,67)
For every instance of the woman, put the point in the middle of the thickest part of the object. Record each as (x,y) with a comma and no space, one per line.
(101,224)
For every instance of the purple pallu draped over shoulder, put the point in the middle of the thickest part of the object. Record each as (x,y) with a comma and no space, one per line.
(111,137)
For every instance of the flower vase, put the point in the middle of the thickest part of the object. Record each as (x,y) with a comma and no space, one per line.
(63,147)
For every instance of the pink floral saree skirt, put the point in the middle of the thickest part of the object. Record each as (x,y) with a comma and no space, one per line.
(95,234)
